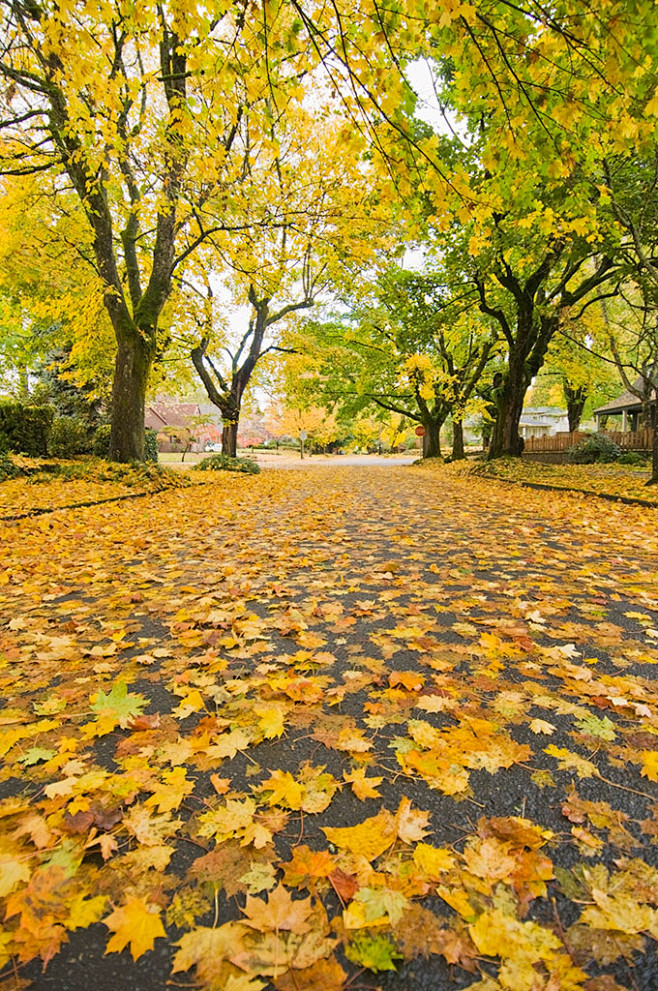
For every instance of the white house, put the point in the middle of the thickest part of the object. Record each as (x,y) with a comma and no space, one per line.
(543,421)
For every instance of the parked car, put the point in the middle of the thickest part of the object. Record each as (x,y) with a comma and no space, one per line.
(213,447)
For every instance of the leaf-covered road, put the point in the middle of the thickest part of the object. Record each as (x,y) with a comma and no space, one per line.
(274,731)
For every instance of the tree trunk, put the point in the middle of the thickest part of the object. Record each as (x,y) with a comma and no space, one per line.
(576,399)
(654,461)
(432,439)
(230,438)
(505,439)
(131,373)
(457,440)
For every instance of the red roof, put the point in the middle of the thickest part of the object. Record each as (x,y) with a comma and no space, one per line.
(159,415)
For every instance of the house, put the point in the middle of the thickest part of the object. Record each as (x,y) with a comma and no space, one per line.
(628,406)
(171,420)
(543,421)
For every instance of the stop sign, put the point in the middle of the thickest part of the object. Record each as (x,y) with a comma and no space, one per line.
(420,431)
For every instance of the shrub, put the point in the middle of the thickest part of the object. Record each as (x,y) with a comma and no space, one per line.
(634,458)
(151,446)
(7,467)
(26,428)
(68,437)
(595,448)
(222,462)
(101,442)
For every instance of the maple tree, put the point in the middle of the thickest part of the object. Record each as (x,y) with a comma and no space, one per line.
(159,118)
(410,346)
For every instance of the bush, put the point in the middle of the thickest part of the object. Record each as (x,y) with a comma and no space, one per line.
(595,448)
(26,428)
(101,442)
(634,458)
(68,437)
(222,462)
(7,467)
(151,446)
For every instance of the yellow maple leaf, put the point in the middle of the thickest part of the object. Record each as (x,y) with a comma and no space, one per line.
(433,861)
(279,912)
(206,949)
(569,761)
(362,786)
(137,923)
(650,765)
(541,726)
(369,839)
(173,788)
(411,824)
(271,720)
(13,870)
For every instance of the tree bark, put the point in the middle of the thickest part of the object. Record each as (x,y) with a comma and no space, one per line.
(230,438)
(457,440)
(576,399)
(131,372)
(432,439)
(505,438)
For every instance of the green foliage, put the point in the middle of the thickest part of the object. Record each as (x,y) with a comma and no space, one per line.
(633,458)
(7,467)
(69,437)
(374,952)
(26,428)
(596,448)
(101,443)
(222,462)
(150,446)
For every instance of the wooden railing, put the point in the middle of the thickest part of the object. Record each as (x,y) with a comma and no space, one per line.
(630,440)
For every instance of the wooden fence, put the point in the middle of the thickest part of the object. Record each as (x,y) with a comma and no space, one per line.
(630,440)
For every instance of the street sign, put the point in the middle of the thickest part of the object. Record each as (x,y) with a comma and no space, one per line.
(303,435)
(420,430)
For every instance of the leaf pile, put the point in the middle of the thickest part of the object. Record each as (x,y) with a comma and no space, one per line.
(37,484)
(599,479)
(317,721)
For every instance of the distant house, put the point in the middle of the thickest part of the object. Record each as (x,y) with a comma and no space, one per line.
(628,407)
(543,421)
(170,420)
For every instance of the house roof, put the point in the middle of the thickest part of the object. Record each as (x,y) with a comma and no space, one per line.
(626,401)
(539,415)
(159,415)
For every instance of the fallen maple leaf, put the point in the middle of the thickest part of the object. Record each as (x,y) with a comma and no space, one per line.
(279,911)
(363,786)
(370,838)
(137,923)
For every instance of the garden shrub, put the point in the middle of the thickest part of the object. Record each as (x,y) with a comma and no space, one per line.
(151,446)
(26,428)
(69,436)
(634,458)
(222,462)
(101,443)
(7,467)
(595,448)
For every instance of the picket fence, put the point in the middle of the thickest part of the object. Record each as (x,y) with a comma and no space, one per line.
(630,440)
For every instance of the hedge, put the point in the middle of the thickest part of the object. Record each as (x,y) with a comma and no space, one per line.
(26,429)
